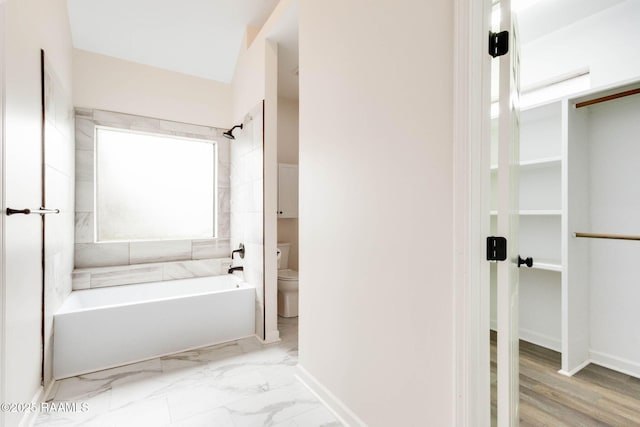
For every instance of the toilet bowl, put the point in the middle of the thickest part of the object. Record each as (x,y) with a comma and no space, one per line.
(287,284)
(287,293)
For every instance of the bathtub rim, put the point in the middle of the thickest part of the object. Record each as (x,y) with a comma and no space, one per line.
(242,285)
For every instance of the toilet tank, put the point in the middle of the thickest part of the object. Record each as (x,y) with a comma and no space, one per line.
(283,262)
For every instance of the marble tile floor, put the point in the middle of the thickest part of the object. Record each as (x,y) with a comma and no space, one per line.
(238,384)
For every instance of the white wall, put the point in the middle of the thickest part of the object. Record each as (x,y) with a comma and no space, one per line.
(256,79)
(613,129)
(288,129)
(106,83)
(29,25)
(288,153)
(250,77)
(606,42)
(376,179)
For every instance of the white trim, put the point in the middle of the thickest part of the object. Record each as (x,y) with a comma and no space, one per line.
(541,340)
(471,171)
(29,417)
(536,338)
(616,363)
(49,391)
(270,192)
(272,336)
(2,217)
(574,370)
(335,405)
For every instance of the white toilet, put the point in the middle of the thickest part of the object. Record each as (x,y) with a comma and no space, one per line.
(287,284)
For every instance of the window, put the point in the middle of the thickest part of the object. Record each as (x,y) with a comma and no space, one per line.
(154,187)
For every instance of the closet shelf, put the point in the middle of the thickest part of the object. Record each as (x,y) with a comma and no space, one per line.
(541,212)
(540,163)
(536,212)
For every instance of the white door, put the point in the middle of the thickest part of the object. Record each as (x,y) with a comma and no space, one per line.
(2,274)
(508,204)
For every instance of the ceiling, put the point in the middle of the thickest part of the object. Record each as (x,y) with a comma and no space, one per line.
(537,18)
(196,37)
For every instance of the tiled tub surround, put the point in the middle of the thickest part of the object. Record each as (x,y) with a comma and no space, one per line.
(242,383)
(102,328)
(247,217)
(99,277)
(59,183)
(89,254)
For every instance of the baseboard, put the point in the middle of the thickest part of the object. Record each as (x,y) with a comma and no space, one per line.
(540,339)
(535,338)
(575,370)
(335,405)
(48,391)
(29,418)
(616,363)
(272,336)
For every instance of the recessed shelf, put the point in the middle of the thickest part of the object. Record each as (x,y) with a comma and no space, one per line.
(536,212)
(536,163)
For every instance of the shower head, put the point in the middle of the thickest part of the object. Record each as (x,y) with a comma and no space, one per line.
(229,133)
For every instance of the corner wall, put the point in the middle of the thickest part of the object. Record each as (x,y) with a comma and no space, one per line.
(256,79)
(376,193)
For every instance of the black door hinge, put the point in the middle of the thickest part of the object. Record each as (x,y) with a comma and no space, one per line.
(498,43)
(496,248)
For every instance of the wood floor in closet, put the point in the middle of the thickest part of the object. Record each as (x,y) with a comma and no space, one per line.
(595,396)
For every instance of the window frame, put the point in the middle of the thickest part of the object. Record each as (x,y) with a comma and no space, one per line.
(216,201)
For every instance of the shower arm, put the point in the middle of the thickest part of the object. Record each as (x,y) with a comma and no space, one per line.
(239,251)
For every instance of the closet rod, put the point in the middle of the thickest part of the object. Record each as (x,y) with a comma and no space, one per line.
(607,236)
(608,98)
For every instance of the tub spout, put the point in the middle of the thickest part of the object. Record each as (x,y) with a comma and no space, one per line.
(237,268)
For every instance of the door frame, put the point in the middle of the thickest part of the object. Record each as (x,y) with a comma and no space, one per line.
(2,216)
(471,201)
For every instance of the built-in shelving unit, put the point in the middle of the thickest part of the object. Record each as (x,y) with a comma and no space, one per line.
(537,163)
(578,169)
(540,170)
(600,277)
(534,212)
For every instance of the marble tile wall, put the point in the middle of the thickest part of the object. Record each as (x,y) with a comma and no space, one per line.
(89,254)
(247,217)
(59,190)
(99,277)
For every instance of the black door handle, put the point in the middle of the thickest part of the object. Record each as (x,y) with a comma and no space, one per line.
(526,261)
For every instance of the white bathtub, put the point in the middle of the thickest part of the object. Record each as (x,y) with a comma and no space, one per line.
(102,328)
